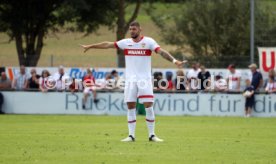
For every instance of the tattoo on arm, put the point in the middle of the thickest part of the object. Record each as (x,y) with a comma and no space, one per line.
(166,55)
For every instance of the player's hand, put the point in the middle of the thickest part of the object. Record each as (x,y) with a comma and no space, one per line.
(180,63)
(85,47)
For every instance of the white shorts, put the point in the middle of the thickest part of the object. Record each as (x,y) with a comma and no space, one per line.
(141,89)
(88,90)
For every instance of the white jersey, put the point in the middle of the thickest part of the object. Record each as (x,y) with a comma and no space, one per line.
(193,74)
(137,57)
(233,80)
(270,86)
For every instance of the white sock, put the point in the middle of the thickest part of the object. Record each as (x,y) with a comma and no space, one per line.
(131,118)
(150,118)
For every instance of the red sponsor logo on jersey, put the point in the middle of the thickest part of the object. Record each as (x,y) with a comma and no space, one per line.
(234,78)
(137,52)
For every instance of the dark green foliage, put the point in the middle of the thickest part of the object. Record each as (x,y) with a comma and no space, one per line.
(28,21)
(216,32)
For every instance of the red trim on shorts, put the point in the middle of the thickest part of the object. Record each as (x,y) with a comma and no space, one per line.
(145,96)
(156,49)
(116,45)
(149,120)
(132,121)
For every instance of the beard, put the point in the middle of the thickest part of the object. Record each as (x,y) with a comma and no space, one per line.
(134,36)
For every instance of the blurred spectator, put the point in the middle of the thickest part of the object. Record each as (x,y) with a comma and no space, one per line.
(89,87)
(33,81)
(257,78)
(180,81)
(204,78)
(250,99)
(115,75)
(169,80)
(60,78)
(158,76)
(75,86)
(116,78)
(233,78)
(5,83)
(43,81)
(20,82)
(220,84)
(1,103)
(192,76)
(109,82)
(271,84)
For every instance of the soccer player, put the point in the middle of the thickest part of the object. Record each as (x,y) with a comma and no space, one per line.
(137,51)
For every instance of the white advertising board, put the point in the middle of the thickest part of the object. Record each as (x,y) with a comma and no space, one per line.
(200,104)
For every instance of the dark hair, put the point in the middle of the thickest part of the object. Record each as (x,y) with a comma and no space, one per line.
(217,77)
(135,23)
(113,72)
(88,70)
(169,75)
(231,66)
(157,74)
(45,71)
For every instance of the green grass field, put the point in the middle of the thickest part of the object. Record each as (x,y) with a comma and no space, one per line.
(96,139)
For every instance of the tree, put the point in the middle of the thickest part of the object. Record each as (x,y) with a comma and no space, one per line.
(28,21)
(216,31)
(123,25)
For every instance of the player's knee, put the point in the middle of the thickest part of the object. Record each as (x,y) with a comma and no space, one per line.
(148,104)
(131,105)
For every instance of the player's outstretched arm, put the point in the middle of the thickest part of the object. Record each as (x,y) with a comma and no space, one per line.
(165,54)
(102,45)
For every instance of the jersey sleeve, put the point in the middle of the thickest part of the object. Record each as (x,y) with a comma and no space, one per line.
(154,46)
(239,74)
(261,76)
(40,81)
(121,44)
(267,87)
(228,74)
(189,74)
(208,74)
